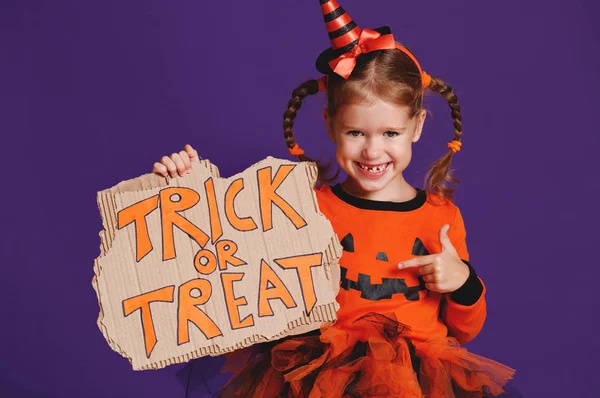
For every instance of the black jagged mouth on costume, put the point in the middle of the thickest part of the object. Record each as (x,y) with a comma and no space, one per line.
(383,291)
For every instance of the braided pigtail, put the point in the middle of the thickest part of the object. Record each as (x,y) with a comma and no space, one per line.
(302,91)
(439,175)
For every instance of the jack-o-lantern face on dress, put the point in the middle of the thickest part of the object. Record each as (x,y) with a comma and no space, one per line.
(388,286)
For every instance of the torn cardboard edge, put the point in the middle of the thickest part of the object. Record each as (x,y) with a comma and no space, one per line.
(321,314)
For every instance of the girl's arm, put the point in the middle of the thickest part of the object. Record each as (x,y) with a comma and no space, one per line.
(464,310)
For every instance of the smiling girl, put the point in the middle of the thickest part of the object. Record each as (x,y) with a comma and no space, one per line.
(409,295)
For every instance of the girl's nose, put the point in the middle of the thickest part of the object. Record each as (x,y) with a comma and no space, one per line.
(372,149)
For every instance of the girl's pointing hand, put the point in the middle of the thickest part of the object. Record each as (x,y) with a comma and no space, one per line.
(443,272)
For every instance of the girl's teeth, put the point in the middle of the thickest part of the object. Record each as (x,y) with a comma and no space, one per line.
(374,169)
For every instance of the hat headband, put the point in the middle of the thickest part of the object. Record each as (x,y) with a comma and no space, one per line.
(353,47)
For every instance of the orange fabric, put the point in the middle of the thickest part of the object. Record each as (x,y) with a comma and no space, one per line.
(338,23)
(296,150)
(333,365)
(322,81)
(393,347)
(346,39)
(425,79)
(454,146)
(330,6)
(394,233)
(368,41)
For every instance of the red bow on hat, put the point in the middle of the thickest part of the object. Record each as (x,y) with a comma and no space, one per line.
(369,40)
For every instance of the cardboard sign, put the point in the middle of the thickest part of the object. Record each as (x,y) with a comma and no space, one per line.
(198,265)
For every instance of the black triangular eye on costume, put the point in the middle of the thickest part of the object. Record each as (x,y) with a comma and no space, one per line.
(348,243)
(382,256)
(419,248)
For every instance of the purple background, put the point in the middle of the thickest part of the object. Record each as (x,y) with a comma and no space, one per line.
(93,93)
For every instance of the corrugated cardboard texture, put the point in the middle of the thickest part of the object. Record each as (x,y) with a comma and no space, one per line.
(166,298)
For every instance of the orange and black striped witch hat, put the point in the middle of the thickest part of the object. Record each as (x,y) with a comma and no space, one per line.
(352,46)
(344,35)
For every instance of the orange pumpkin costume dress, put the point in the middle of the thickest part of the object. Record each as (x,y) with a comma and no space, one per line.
(393,337)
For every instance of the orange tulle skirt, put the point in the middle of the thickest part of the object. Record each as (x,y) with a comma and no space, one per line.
(374,358)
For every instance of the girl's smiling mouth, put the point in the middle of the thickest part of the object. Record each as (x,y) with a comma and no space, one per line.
(373,170)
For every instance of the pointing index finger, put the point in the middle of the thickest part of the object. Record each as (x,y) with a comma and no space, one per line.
(417,261)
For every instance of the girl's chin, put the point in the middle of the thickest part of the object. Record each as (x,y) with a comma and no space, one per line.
(371,186)
(368,184)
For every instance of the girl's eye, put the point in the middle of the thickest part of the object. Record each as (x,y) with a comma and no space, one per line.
(354,133)
(390,133)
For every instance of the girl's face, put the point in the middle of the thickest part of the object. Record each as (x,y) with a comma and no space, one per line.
(374,146)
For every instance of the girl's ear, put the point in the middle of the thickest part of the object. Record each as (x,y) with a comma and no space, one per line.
(328,124)
(420,120)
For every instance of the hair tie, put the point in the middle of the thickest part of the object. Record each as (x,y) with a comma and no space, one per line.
(425,80)
(296,150)
(323,82)
(455,146)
